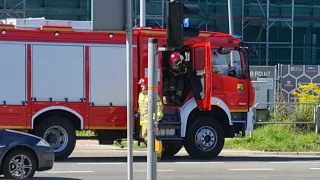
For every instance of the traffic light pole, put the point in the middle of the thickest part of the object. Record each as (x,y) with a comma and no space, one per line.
(152,107)
(230,16)
(142,13)
(129,90)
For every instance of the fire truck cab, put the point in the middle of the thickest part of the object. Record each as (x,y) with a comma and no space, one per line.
(217,93)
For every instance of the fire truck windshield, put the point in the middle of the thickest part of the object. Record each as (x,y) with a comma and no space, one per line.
(221,63)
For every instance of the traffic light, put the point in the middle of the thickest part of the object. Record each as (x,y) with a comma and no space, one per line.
(176,32)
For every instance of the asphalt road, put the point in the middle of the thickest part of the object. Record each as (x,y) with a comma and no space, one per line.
(227,168)
(223,168)
(96,162)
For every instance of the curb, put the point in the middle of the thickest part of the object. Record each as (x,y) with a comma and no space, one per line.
(270,152)
(248,152)
(299,153)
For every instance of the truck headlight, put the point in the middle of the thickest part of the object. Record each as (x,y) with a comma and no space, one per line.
(43,143)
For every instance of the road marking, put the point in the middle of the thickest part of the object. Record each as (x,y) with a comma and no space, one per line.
(295,162)
(168,170)
(61,172)
(105,163)
(255,169)
(195,162)
(314,168)
(100,163)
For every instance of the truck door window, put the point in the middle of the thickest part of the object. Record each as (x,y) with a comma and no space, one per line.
(221,64)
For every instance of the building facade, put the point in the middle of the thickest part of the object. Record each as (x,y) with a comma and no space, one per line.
(282,31)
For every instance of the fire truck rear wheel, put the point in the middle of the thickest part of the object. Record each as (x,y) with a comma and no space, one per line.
(205,138)
(60,134)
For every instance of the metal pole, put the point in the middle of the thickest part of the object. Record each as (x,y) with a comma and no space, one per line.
(230,15)
(129,90)
(267,33)
(275,83)
(292,31)
(135,13)
(162,13)
(152,106)
(315,117)
(206,11)
(24,8)
(242,21)
(88,10)
(142,13)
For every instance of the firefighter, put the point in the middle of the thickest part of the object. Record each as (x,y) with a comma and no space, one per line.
(143,111)
(178,69)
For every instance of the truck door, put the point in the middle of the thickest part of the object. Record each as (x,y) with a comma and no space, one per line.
(201,75)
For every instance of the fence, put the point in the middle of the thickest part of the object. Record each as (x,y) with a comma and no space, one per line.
(289,110)
(263,117)
(285,79)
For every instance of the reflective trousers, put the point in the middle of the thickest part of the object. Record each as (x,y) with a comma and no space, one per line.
(176,84)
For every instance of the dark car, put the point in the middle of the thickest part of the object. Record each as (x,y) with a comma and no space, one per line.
(22,154)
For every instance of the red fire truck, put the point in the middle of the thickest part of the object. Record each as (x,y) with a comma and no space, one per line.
(58,79)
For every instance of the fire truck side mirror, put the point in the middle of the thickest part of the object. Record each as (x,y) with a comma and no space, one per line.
(223,50)
(251,51)
(247,53)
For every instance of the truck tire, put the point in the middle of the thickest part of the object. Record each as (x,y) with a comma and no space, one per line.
(204,139)
(171,149)
(60,134)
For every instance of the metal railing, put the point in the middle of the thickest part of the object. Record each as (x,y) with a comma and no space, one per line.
(275,105)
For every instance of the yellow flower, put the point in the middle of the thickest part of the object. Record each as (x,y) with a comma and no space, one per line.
(310,93)
(295,93)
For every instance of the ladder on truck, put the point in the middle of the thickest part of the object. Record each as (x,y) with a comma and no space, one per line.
(36,23)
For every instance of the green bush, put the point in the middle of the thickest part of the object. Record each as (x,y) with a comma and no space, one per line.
(306,99)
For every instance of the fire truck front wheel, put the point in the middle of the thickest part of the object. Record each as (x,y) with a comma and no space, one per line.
(205,138)
(59,133)
(171,148)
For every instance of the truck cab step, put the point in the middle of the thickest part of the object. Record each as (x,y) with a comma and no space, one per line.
(168,125)
(169,138)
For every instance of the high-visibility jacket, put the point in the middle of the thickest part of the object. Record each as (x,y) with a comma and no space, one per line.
(143,108)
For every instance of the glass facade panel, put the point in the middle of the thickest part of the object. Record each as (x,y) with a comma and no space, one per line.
(251,21)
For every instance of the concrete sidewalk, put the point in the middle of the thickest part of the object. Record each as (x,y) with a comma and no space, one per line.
(85,145)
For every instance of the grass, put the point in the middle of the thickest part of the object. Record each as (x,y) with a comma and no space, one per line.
(277,138)
(85,133)
(135,144)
